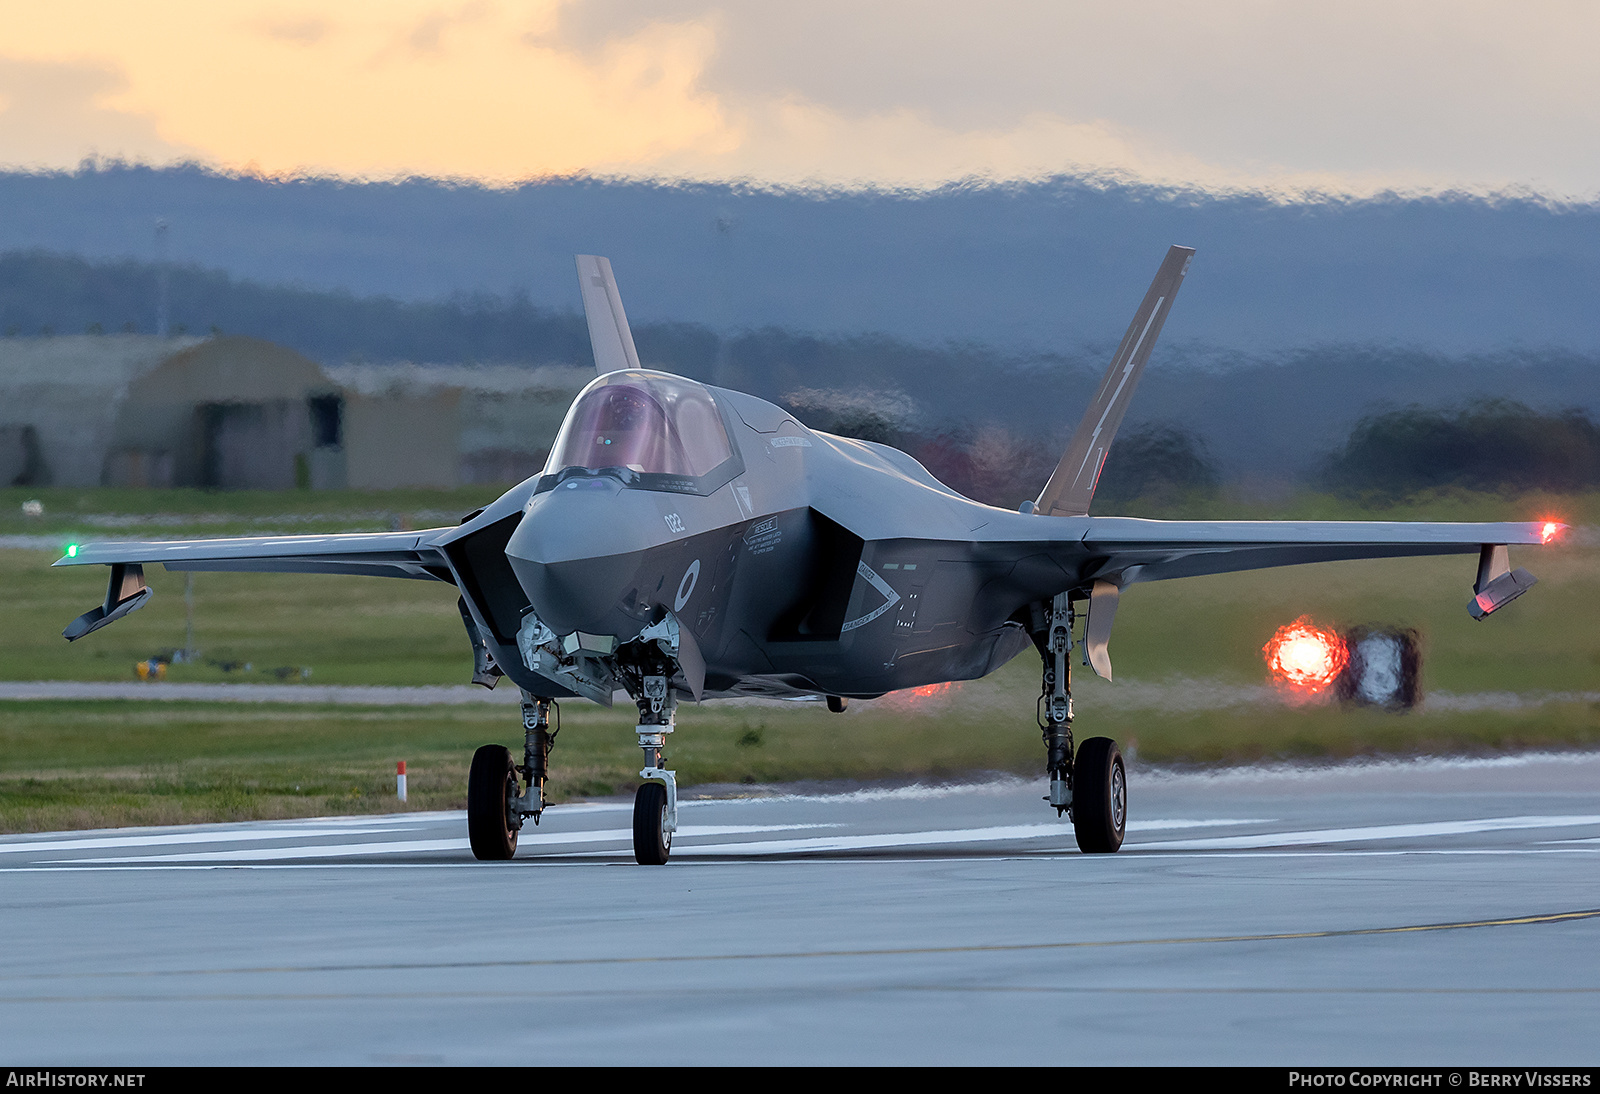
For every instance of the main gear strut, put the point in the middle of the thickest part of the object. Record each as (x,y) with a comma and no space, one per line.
(537,740)
(1053,636)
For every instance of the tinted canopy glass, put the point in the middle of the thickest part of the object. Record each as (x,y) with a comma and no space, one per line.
(649,422)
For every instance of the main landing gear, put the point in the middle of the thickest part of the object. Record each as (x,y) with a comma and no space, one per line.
(1093,786)
(497,802)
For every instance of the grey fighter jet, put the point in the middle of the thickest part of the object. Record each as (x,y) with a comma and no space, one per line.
(688,541)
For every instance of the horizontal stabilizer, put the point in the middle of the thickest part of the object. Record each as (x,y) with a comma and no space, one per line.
(609,335)
(1071,487)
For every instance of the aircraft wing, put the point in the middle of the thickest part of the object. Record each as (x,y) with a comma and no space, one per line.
(370,554)
(1126,550)
(1132,550)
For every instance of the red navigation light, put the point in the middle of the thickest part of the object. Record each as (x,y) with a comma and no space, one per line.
(1548,532)
(1304,657)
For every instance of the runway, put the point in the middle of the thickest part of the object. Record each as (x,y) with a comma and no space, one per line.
(1443,912)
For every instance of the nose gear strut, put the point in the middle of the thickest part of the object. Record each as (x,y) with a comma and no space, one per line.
(646,666)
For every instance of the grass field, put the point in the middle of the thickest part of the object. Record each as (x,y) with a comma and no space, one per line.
(95,764)
(85,764)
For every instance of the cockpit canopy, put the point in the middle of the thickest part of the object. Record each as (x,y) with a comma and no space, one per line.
(651,423)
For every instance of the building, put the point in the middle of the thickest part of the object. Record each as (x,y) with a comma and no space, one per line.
(241,413)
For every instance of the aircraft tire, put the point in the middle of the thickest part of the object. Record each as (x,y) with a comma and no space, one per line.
(1099,796)
(491,783)
(652,843)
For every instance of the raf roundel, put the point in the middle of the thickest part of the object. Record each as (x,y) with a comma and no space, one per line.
(691,578)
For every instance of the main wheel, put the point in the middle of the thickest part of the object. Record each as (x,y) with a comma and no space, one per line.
(652,843)
(491,784)
(1099,796)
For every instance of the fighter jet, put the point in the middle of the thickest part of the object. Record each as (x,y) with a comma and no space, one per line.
(686,541)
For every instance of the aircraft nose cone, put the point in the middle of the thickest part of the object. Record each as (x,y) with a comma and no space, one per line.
(578,551)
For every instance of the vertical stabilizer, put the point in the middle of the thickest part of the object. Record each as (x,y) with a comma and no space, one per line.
(608,323)
(1071,487)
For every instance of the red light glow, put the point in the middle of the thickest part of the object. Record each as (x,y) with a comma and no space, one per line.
(1549,531)
(1304,657)
(913,698)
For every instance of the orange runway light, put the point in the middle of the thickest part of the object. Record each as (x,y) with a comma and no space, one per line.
(1304,657)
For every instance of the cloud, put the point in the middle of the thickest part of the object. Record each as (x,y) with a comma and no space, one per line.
(1359,96)
(1255,94)
(427,36)
(792,141)
(55,115)
(301,32)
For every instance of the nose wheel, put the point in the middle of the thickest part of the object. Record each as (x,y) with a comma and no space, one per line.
(652,839)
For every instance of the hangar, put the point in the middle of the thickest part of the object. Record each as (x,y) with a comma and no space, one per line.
(234,412)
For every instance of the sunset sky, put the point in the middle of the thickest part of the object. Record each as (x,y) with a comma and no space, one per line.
(1351,97)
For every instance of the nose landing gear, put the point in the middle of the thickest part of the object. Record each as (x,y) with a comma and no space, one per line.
(655,806)
(646,666)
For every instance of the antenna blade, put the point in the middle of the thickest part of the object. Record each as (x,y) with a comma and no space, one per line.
(1071,486)
(609,335)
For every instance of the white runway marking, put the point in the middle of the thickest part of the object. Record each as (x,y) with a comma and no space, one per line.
(918,839)
(1361,835)
(1220,822)
(259,854)
(552,861)
(97,842)
(556,844)
(405,847)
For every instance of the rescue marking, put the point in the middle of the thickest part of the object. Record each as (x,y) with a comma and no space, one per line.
(865,571)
